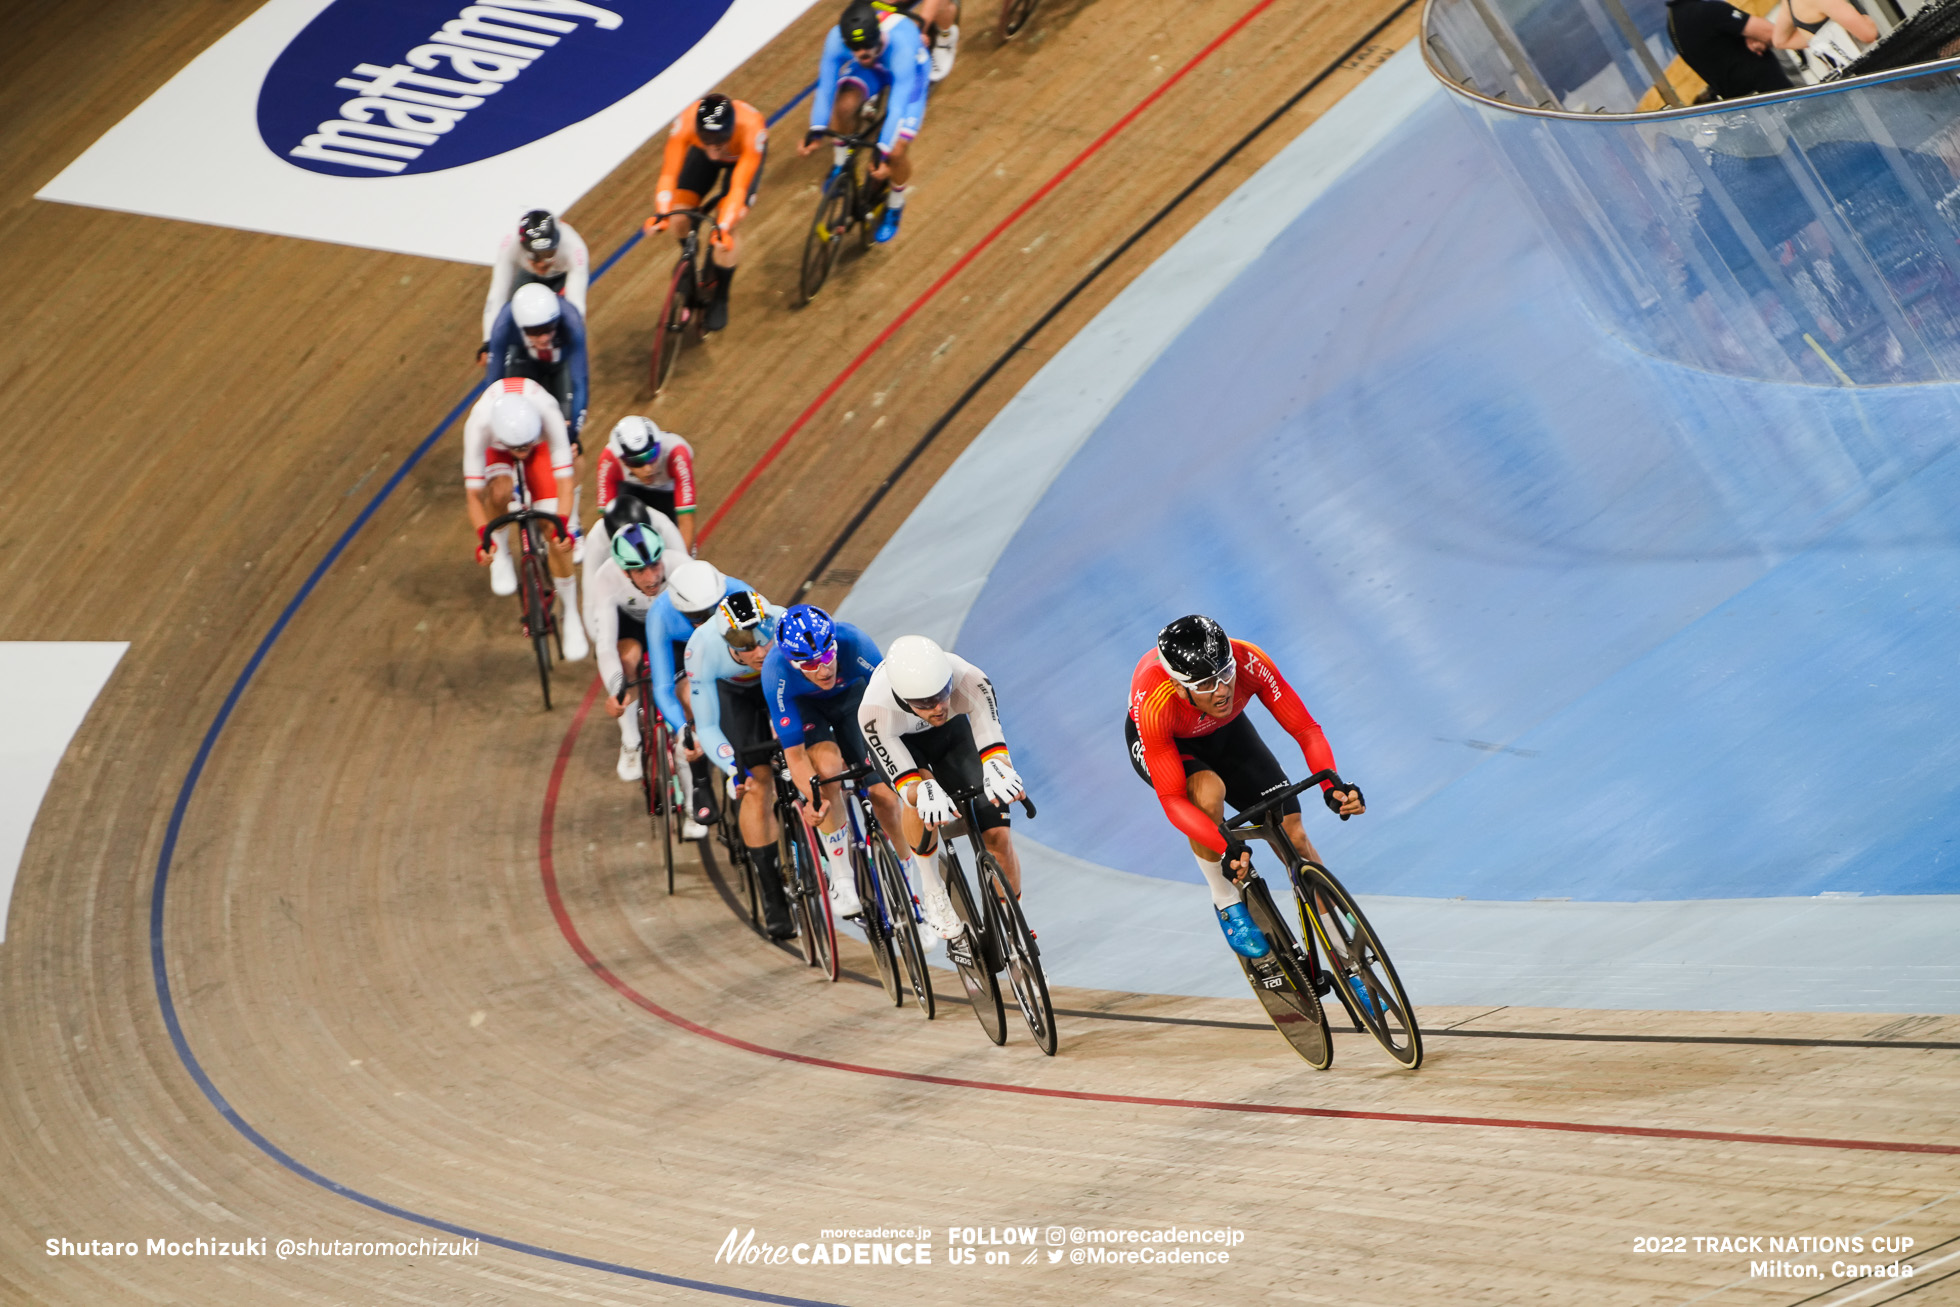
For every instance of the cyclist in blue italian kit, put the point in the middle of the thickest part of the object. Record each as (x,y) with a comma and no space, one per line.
(694,590)
(731,723)
(814,679)
(868,52)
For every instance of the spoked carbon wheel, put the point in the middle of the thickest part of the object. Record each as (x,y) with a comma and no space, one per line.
(790,857)
(663,795)
(1284,985)
(820,941)
(827,231)
(969,953)
(1362,974)
(536,590)
(905,930)
(672,329)
(1014,15)
(876,922)
(1023,958)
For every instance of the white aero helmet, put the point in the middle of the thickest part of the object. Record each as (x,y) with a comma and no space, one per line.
(918,669)
(534,305)
(515,422)
(697,587)
(636,440)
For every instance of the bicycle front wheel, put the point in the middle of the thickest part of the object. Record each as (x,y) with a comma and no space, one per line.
(968,950)
(905,929)
(663,801)
(820,946)
(835,210)
(1014,16)
(1284,983)
(1023,957)
(536,591)
(672,328)
(877,923)
(1362,974)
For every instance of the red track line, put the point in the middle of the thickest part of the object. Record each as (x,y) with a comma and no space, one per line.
(549,873)
(959,264)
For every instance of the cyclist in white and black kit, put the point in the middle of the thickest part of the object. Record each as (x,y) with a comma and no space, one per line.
(930,720)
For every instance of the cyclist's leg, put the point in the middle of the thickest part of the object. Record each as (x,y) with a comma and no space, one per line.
(954,759)
(499,485)
(632,630)
(852,93)
(697,176)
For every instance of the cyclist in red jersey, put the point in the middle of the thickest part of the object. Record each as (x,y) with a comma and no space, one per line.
(1190,740)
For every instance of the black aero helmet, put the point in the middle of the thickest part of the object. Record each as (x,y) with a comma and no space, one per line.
(625,511)
(537,231)
(1194,650)
(714,119)
(859,26)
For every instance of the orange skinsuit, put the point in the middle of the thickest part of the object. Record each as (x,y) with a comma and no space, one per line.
(751,134)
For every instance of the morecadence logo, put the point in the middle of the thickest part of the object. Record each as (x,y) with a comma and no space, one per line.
(437,85)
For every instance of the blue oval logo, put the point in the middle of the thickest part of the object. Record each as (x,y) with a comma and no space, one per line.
(385,88)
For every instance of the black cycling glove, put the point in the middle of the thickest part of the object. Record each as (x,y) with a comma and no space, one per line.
(1341,787)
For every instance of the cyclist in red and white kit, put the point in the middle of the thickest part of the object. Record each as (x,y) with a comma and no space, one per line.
(1190,740)
(654,466)
(518,421)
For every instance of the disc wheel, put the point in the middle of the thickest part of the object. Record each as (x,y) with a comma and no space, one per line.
(1284,984)
(672,328)
(1022,956)
(1362,975)
(835,211)
(905,927)
(1014,15)
(536,589)
(968,951)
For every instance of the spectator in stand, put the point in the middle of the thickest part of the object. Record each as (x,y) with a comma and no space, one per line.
(1728,48)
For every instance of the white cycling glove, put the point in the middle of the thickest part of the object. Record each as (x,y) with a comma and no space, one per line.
(934,804)
(1003,783)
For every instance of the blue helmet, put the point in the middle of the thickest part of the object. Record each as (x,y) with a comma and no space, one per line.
(636,547)
(805,632)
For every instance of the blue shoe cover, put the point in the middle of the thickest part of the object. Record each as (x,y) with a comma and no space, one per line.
(889,227)
(1246,939)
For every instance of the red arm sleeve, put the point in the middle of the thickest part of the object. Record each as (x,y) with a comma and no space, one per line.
(680,466)
(609,475)
(1288,710)
(1167,772)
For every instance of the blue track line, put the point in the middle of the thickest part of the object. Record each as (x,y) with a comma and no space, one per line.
(160,971)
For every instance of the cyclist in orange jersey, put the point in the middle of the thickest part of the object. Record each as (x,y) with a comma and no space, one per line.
(1190,740)
(714,138)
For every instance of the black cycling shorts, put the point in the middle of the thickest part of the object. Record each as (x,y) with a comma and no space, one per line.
(702,175)
(633,628)
(555,377)
(1234,753)
(745,721)
(949,753)
(659,498)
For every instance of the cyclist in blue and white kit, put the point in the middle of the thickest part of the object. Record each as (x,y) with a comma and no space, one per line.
(864,54)
(694,590)
(731,724)
(814,680)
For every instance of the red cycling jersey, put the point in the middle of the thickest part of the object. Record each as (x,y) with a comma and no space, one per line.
(1163,716)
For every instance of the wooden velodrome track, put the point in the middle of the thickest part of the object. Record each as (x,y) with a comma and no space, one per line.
(359,943)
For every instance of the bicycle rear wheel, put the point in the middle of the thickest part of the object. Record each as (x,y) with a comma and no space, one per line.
(1284,984)
(836,209)
(672,327)
(968,950)
(1014,16)
(905,929)
(1362,974)
(1023,957)
(535,591)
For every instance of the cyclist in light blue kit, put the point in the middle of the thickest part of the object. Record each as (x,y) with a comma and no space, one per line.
(868,52)
(731,723)
(694,590)
(814,680)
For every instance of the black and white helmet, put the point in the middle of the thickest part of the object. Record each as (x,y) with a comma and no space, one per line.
(1195,650)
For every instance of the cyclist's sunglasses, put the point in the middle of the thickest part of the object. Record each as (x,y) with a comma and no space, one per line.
(640,460)
(817,664)
(542,329)
(923,706)
(1211,684)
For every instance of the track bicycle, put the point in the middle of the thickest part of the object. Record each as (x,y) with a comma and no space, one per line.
(852,199)
(890,918)
(996,937)
(802,870)
(683,311)
(1342,955)
(537,594)
(660,783)
(728,830)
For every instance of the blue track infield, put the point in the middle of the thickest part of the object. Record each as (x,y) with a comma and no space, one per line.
(1586,625)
